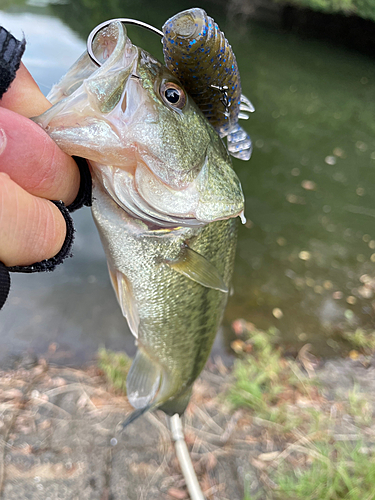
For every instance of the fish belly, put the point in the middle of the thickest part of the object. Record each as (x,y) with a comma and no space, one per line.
(174,318)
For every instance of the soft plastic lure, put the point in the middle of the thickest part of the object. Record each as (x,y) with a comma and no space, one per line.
(197,52)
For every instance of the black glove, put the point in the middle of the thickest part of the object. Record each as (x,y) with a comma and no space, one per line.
(11,51)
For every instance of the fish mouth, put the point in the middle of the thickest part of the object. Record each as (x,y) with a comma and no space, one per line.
(117,120)
(138,191)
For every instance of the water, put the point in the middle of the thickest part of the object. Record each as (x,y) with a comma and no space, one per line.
(306,258)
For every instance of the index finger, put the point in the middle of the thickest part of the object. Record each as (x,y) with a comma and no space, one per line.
(27,154)
(32,160)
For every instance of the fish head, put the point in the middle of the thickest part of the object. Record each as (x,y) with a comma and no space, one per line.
(146,140)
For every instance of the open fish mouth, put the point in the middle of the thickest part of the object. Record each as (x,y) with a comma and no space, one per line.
(144,196)
(162,164)
(131,181)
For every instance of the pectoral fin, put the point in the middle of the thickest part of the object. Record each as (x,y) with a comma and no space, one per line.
(125,298)
(143,381)
(199,269)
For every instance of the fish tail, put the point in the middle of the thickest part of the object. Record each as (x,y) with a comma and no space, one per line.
(149,387)
(142,386)
(239,143)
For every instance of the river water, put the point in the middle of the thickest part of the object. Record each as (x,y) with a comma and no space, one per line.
(306,258)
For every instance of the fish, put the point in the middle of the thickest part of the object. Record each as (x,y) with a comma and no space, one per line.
(197,52)
(166,201)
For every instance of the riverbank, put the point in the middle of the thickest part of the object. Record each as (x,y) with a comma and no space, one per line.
(60,439)
(339,23)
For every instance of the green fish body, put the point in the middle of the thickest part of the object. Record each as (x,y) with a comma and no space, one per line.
(165,202)
(174,318)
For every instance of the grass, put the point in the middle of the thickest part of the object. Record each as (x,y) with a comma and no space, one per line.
(115,366)
(359,407)
(264,381)
(321,456)
(361,340)
(338,472)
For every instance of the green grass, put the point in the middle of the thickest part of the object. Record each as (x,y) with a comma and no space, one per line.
(319,465)
(115,366)
(257,375)
(359,407)
(338,472)
(265,382)
(361,340)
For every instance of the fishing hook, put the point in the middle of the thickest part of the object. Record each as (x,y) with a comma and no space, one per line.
(124,20)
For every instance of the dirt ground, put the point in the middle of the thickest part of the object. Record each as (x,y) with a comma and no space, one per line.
(60,437)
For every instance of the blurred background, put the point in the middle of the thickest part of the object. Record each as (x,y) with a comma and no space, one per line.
(306,257)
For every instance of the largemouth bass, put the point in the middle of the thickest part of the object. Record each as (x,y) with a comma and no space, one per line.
(165,199)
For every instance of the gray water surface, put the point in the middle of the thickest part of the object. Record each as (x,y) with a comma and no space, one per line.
(306,257)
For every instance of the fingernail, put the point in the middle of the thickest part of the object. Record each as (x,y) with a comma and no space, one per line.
(3,141)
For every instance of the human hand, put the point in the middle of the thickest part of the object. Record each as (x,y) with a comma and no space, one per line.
(33,170)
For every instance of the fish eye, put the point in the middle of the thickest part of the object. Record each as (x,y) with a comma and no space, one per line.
(173,95)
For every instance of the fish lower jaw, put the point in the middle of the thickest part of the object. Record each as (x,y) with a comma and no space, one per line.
(119,184)
(143,196)
(186,206)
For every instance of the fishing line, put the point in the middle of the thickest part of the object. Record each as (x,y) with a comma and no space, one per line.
(123,20)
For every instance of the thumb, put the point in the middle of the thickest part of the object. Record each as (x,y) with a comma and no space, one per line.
(24,95)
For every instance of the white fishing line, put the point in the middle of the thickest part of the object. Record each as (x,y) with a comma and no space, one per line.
(184,459)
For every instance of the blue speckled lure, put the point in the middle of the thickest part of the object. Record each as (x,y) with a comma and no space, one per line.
(197,52)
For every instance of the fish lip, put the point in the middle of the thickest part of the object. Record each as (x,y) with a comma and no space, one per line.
(139,209)
(122,186)
(162,223)
(192,221)
(151,221)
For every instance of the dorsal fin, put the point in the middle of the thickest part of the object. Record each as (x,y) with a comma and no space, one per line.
(197,268)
